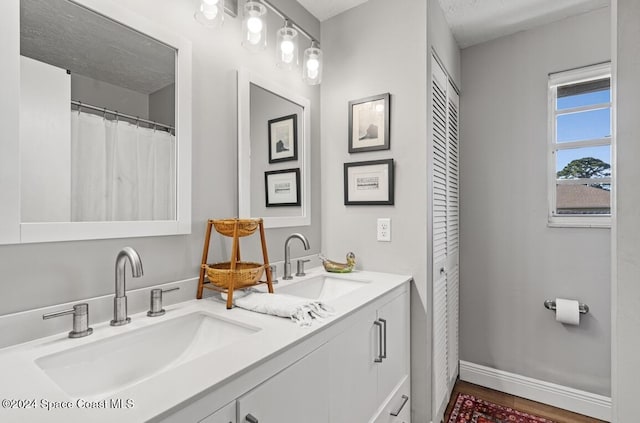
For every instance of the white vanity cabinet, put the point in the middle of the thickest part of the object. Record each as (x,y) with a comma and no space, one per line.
(369,361)
(354,370)
(299,393)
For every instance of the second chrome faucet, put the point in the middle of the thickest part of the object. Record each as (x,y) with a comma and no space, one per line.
(120,316)
(287,253)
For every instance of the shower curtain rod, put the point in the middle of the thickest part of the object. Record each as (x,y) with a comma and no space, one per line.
(106,111)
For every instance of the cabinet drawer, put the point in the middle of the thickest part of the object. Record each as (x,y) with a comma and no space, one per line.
(397,409)
(300,393)
(226,414)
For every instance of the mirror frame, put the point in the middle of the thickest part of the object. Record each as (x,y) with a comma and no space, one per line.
(12,230)
(245,79)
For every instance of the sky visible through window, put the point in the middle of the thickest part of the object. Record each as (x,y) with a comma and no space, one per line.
(584,125)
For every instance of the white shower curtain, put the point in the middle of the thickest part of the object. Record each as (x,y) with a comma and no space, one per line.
(120,172)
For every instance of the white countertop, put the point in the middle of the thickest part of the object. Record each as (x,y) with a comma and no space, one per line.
(235,366)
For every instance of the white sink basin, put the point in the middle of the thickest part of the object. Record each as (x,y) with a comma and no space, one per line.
(112,364)
(324,287)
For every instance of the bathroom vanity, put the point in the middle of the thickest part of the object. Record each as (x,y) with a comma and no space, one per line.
(202,363)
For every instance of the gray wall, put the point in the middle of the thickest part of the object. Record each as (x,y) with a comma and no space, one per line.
(380,47)
(626,347)
(510,260)
(37,275)
(162,105)
(102,94)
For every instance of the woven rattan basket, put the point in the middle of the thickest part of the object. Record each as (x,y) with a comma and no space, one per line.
(245,226)
(246,274)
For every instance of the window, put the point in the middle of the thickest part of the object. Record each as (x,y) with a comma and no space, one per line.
(580,167)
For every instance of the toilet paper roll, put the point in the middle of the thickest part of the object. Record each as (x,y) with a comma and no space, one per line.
(567,311)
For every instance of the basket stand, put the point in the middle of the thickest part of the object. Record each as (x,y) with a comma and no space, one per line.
(235,257)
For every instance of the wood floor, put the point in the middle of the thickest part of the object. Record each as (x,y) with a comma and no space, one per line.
(520,404)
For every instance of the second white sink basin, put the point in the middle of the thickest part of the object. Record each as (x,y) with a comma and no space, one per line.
(323,287)
(112,364)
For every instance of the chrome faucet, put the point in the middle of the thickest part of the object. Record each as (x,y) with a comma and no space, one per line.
(120,300)
(287,253)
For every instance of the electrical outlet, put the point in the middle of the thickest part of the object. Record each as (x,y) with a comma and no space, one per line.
(384,229)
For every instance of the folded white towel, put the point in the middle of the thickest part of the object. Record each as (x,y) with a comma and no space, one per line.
(300,310)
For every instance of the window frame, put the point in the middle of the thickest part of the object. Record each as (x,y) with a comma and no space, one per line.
(574,76)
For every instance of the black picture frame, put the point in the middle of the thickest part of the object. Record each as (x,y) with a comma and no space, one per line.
(365,119)
(283,139)
(369,183)
(278,189)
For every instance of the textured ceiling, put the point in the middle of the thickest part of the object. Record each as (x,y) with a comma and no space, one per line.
(476,21)
(325,9)
(68,36)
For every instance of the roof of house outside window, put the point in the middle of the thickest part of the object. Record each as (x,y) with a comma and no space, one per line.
(582,197)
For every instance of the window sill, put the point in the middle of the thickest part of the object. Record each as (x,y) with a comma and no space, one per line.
(579,222)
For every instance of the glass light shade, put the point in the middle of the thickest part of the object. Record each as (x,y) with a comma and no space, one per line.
(287,47)
(312,65)
(254,26)
(210,13)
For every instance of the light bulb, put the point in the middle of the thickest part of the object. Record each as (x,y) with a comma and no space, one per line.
(209,11)
(287,51)
(312,66)
(254,24)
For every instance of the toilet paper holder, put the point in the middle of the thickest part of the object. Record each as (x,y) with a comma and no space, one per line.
(551,305)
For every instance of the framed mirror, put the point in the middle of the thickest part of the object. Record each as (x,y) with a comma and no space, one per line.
(100,124)
(273,152)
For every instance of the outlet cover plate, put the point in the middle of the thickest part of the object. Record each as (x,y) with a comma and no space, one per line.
(384,229)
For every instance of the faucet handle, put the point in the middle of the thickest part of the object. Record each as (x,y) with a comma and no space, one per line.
(301,263)
(274,273)
(156,301)
(80,319)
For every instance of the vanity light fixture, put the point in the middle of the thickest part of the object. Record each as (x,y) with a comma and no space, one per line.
(254,26)
(312,64)
(287,46)
(210,13)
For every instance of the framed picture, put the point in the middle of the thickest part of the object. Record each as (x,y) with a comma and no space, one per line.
(368,183)
(369,124)
(282,187)
(283,139)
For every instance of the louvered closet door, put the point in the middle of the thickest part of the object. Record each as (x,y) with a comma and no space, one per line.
(439,234)
(445,232)
(452,234)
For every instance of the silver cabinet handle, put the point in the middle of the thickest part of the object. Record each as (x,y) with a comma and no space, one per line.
(404,402)
(384,331)
(379,358)
(250,419)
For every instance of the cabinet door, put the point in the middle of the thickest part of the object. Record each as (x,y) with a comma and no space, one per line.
(300,393)
(395,366)
(226,414)
(354,372)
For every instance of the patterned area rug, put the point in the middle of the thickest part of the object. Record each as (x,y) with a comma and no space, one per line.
(469,409)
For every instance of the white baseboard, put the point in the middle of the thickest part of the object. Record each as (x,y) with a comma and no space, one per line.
(582,402)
